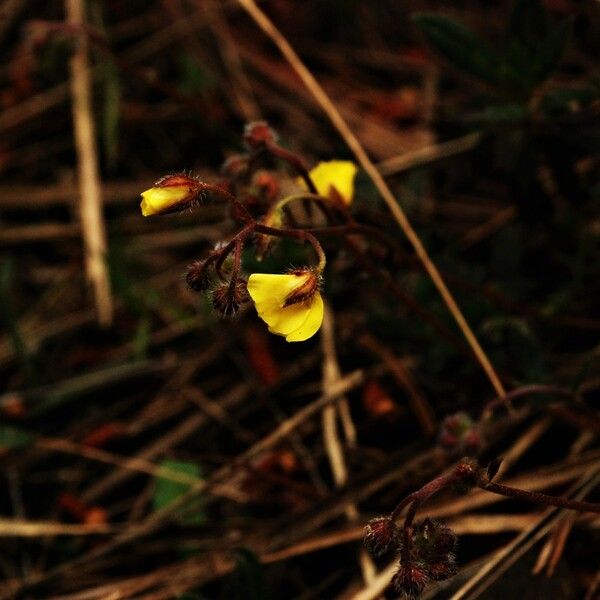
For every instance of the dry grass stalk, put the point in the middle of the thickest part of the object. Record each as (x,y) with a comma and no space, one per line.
(94,231)
(331,440)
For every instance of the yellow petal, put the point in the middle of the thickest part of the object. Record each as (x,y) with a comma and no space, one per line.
(158,199)
(273,287)
(269,292)
(311,324)
(338,174)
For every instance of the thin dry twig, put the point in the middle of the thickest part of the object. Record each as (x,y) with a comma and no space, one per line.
(422,156)
(92,219)
(331,440)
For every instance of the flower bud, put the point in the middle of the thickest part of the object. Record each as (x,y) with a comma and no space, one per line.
(445,540)
(258,135)
(459,435)
(443,569)
(235,166)
(432,542)
(410,579)
(468,473)
(267,184)
(172,193)
(228,297)
(381,536)
(198,275)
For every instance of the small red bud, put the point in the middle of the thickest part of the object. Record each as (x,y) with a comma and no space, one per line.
(443,569)
(459,435)
(198,276)
(258,135)
(432,541)
(228,297)
(268,185)
(468,473)
(410,579)
(235,165)
(381,536)
(445,540)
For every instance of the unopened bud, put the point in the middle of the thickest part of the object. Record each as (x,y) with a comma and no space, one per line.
(443,569)
(410,579)
(445,540)
(459,435)
(172,193)
(258,135)
(381,536)
(468,473)
(267,184)
(235,165)
(228,297)
(198,277)
(433,540)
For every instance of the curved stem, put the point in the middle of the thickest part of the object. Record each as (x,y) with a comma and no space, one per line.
(296,163)
(298,234)
(526,390)
(217,190)
(418,499)
(237,243)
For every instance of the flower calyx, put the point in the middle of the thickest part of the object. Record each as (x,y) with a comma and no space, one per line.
(309,283)
(229,296)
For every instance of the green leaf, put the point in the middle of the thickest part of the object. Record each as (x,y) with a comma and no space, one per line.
(460,46)
(12,438)
(166,490)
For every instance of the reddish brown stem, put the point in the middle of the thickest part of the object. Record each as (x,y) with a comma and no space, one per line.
(237,243)
(526,390)
(295,162)
(299,234)
(538,497)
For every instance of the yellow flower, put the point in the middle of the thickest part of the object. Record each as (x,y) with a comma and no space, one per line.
(158,200)
(290,304)
(169,194)
(335,178)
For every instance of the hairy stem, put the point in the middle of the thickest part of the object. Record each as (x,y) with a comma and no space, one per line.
(539,498)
